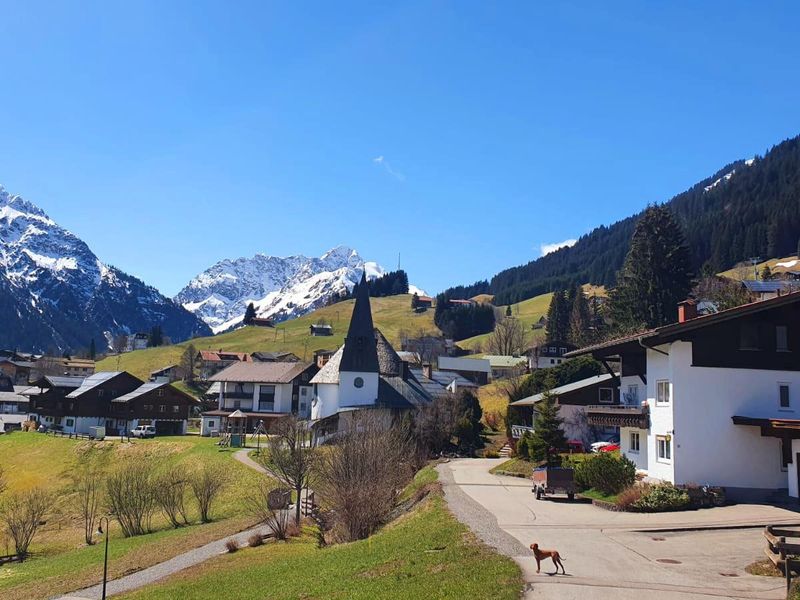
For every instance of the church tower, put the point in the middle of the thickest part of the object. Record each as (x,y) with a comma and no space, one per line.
(358,370)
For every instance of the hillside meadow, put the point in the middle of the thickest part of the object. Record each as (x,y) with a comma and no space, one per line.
(61,561)
(392,315)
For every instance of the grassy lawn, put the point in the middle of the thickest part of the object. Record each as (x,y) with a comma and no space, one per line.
(391,315)
(61,561)
(517,466)
(528,312)
(598,495)
(425,553)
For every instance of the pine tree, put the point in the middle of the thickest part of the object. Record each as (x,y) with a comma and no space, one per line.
(558,318)
(579,320)
(468,424)
(92,350)
(547,440)
(414,301)
(508,310)
(656,273)
(156,337)
(249,314)
(766,273)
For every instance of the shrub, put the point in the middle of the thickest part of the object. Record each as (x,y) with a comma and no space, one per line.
(492,453)
(522,446)
(231,546)
(628,497)
(605,473)
(170,492)
(662,497)
(255,540)
(22,514)
(131,497)
(206,484)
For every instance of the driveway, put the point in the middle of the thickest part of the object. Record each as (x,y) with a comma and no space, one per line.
(612,555)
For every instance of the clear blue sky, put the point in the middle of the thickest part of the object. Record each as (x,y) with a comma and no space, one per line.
(170,135)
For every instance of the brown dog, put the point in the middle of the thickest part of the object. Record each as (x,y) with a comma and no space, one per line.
(542,554)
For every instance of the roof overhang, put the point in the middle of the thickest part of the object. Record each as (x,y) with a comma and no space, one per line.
(781,428)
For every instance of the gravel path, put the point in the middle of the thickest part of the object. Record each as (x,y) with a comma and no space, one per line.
(480,521)
(173,565)
(164,569)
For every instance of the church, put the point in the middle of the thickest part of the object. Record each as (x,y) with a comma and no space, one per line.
(365,373)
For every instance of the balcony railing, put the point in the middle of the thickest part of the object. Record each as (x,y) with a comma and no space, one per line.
(517,431)
(619,415)
(238,395)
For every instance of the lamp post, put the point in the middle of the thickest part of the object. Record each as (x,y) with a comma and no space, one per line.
(105,556)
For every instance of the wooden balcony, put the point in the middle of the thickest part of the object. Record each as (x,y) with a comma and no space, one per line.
(619,415)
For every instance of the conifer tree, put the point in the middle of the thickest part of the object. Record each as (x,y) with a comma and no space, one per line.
(249,314)
(508,310)
(414,301)
(766,273)
(558,318)
(579,320)
(656,273)
(92,350)
(547,439)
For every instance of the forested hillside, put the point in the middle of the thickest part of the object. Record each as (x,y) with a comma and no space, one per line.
(748,208)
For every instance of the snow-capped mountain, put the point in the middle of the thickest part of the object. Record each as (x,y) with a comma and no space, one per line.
(279,287)
(60,296)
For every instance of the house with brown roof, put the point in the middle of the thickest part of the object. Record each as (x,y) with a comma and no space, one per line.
(261,391)
(712,399)
(214,361)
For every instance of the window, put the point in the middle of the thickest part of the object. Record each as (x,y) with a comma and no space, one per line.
(266,397)
(662,392)
(304,391)
(605,395)
(161,392)
(783,395)
(664,448)
(358,382)
(562,350)
(148,408)
(237,404)
(162,408)
(176,408)
(552,362)
(634,442)
(100,393)
(211,424)
(748,336)
(632,397)
(781,338)
(552,349)
(70,422)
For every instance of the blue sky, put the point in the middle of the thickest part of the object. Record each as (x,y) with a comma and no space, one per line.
(463,135)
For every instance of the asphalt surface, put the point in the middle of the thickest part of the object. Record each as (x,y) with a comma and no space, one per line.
(615,556)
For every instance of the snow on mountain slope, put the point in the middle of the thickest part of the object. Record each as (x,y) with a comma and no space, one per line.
(63,295)
(279,288)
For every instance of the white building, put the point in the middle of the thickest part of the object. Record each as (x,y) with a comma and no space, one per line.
(261,391)
(365,373)
(549,355)
(712,399)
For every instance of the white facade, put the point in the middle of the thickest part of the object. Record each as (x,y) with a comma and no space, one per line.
(692,438)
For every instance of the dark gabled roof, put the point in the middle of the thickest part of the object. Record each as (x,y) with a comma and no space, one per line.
(360,354)
(668,333)
(64,381)
(768,287)
(395,392)
(149,387)
(565,389)
(389,363)
(163,369)
(274,356)
(261,372)
(93,381)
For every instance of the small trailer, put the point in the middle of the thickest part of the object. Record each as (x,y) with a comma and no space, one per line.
(553,480)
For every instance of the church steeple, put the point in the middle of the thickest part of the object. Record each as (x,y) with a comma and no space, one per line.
(360,352)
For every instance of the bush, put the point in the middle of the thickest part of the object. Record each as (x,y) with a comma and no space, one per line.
(627,498)
(605,473)
(493,420)
(662,497)
(206,483)
(522,446)
(23,513)
(255,540)
(231,546)
(492,453)
(131,497)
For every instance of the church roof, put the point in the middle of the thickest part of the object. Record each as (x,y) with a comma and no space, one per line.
(329,373)
(389,362)
(360,353)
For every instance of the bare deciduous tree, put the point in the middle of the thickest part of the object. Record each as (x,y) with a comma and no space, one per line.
(3,481)
(509,337)
(720,292)
(188,364)
(206,483)
(363,472)
(131,497)
(170,488)
(290,456)
(89,486)
(119,344)
(435,424)
(23,513)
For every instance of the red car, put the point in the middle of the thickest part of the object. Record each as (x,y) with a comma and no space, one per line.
(610,448)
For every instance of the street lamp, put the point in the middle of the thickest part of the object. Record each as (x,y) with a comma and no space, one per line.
(105,558)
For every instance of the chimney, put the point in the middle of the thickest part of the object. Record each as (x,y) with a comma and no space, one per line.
(427,370)
(687,310)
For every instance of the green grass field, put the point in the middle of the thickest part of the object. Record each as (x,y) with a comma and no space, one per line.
(747,272)
(61,561)
(423,554)
(528,312)
(392,315)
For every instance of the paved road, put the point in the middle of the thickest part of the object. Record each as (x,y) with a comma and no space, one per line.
(615,556)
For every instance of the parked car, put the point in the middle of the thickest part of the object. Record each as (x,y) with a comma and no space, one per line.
(610,448)
(144,431)
(596,447)
(576,446)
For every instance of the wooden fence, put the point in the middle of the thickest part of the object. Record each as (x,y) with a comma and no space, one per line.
(783,554)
